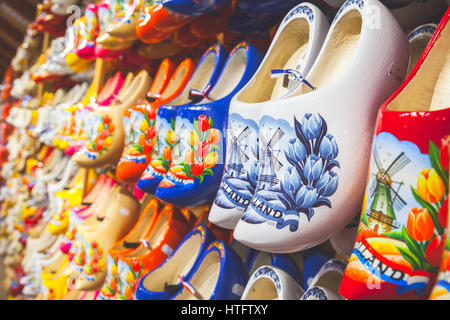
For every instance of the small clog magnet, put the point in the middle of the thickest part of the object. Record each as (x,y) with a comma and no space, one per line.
(197,163)
(204,77)
(399,247)
(311,177)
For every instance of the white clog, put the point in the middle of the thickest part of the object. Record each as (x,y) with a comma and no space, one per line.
(316,143)
(294,49)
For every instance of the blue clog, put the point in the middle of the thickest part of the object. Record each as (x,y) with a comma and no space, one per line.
(220,275)
(198,161)
(163,282)
(192,8)
(203,78)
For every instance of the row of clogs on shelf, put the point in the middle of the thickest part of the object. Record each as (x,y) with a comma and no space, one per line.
(278,152)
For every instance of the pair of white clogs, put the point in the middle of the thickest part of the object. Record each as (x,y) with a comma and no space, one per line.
(311,109)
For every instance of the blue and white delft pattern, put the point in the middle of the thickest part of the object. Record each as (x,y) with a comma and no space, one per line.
(315,292)
(268,272)
(242,166)
(298,180)
(426,29)
(300,10)
(359,3)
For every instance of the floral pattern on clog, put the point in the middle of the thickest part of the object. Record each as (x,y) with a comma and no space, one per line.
(196,153)
(297,178)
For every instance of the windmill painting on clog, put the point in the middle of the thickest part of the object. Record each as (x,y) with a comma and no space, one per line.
(197,165)
(399,246)
(290,52)
(307,187)
(167,141)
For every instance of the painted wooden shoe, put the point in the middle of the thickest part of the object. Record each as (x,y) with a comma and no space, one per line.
(441,290)
(288,51)
(140,132)
(123,216)
(329,276)
(271,283)
(163,282)
(130,242)
(298,202)
(157,24)
(203,78)
(418,40)
(219,275)
(106,140)
(399,247)
(124,23)
(197,167)
(284,262)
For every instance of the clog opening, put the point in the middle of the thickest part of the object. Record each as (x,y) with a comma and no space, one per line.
(336,57)
(231,75)
(429,89)
(139,231)
(156,237)
(205,278)
(109,87)
(330,280)
(262,259)
(174,83)
(180,263)
(199,80)
(286,53)
(158,82)
(262,289)
(416,48)
(134,90)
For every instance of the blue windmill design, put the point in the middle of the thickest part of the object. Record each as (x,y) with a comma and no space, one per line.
(270,163)
(237,155)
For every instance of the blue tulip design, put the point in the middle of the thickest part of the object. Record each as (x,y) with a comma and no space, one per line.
(311,126)
(328,148)
(306,197)
(309,181)
(313,167)
(327,184)
(297,151)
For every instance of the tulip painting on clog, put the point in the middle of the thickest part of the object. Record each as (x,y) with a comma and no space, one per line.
(195,156)
(298,172)
(401,236)
(441,290)
(140,133)
(166,141)
(242,166)
(110,288)
(129,275)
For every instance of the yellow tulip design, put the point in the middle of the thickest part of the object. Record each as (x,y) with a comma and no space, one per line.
(430,186)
